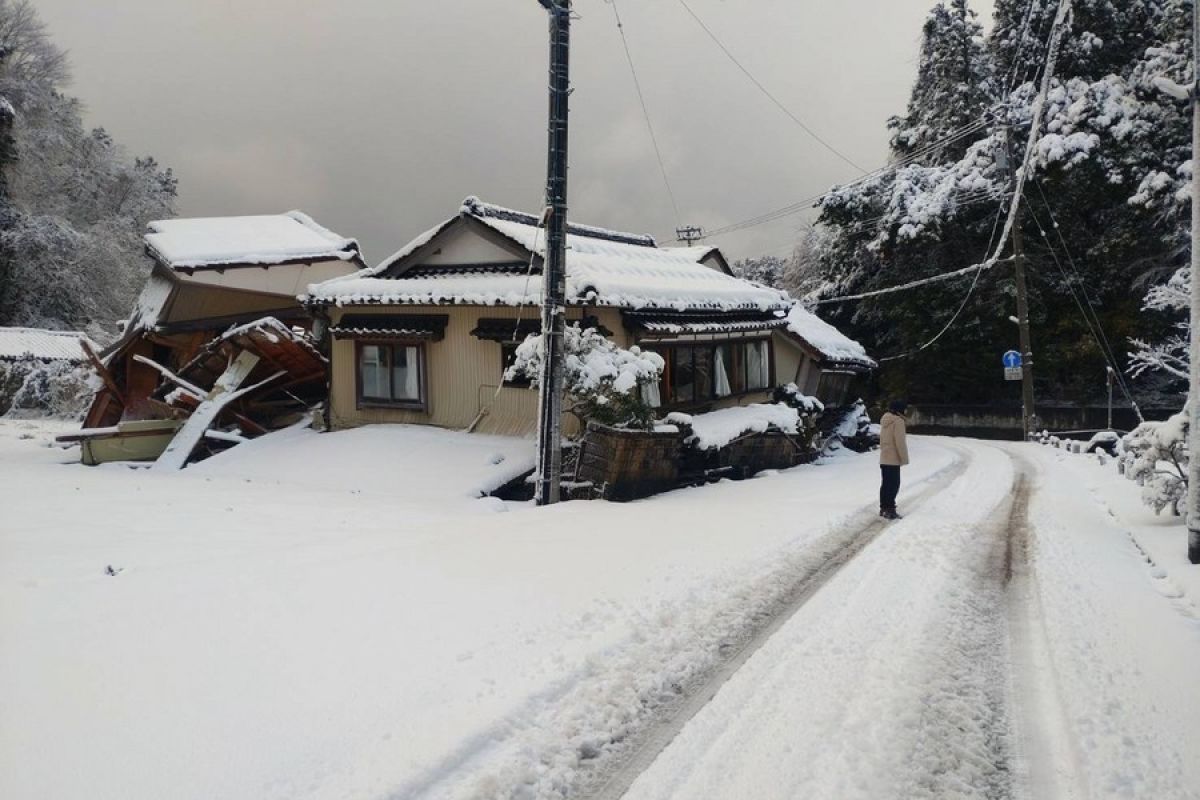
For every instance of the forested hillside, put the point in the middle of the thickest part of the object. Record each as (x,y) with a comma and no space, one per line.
(1105,220)
(73,203)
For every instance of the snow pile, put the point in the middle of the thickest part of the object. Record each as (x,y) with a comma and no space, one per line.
(43,345)
(266,239)
(435,465)
(718,428)
(832,344)
(603,267)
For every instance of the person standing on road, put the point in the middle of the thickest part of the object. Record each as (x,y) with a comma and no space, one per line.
(893,454)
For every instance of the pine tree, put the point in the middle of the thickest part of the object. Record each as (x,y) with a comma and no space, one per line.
(953,86)
(1108,174)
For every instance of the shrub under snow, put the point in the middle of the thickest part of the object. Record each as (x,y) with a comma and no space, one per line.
(1156,457)
(601,378)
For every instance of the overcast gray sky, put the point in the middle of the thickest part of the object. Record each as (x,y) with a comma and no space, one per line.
(378,116)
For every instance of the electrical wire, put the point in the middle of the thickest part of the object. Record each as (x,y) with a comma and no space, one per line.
(1093,322)
(961,306)
(637,84)
(807,203)
(765,91)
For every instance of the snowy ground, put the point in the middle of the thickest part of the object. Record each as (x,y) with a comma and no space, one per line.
(334,616)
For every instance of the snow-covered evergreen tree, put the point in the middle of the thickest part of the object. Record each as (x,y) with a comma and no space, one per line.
(77,204)
(953,86)
(1105,208)
(767,270)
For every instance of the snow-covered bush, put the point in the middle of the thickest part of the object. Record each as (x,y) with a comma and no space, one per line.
(1156,457)
(601,379)
(32,388)
(854,430)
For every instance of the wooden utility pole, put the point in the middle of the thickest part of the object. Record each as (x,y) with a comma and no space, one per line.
(550,398)
(1028,415)
(1193,498)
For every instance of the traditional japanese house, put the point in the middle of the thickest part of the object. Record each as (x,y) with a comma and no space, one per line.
(425,337)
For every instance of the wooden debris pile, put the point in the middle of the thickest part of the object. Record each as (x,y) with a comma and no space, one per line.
(254,378)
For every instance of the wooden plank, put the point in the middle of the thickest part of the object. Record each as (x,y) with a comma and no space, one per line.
(223,393)
(102,371)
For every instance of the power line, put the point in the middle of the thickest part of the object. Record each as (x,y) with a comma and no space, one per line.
(802,205)
(1095,326)
(945,276)
(961,306)
(645,112)
(767,93)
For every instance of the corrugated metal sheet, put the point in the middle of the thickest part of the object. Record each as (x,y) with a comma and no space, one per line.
(46,345)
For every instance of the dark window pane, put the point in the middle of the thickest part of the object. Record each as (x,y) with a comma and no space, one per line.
(683,378)
(704,372)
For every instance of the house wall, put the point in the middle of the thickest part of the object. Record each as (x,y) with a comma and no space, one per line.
(194,302)
(288,280)
(793,363)
(462,375)
(466,246)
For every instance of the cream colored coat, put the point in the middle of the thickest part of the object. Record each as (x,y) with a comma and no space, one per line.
(893,440)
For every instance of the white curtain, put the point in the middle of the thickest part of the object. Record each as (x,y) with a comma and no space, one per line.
(651,395)
(758,365)
(720,374)
(406,377)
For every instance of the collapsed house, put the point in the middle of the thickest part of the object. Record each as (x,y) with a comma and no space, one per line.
(217,348)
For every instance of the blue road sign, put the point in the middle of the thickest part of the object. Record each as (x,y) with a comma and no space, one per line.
(1012,359)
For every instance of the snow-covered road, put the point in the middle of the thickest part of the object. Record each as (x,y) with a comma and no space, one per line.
(269,635)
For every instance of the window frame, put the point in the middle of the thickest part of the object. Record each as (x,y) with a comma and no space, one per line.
(667,390)
(420,404)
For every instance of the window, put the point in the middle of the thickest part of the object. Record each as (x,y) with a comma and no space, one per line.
(833,387)
(698,373)
(508,356)
(391,374)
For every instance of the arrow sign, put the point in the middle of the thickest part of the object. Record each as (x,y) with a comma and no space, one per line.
(1012,360)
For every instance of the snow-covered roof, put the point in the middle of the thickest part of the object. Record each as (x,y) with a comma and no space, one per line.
(833,345)
(604,267)
(43,345)
(266,239)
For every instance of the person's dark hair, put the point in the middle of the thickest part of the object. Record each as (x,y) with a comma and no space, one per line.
(897,406)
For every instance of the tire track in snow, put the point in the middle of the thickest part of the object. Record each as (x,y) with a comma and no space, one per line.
(1045,762)
(617,778)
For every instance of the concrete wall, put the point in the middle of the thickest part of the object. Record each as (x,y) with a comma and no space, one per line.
(998,422)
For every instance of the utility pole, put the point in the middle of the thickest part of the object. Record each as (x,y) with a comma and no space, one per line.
(1028,416)
(689,234)
(550,399)
(1193,498)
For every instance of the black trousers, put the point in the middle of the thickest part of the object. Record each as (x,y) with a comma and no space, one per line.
(889,487)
